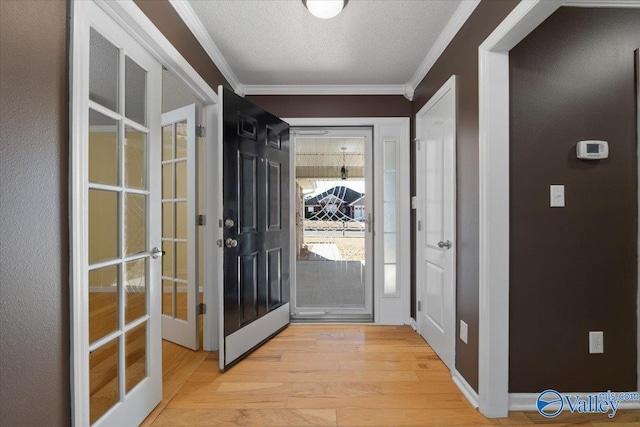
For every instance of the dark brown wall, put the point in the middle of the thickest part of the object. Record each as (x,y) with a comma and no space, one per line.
(334,106)
(34,251)
(461,58)
(162,14)
(574,269)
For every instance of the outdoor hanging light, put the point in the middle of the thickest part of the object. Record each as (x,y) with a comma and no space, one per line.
(343,171)
(325,9)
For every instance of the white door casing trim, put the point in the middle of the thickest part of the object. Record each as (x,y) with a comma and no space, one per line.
(404,264)
(448,87)
(493,78)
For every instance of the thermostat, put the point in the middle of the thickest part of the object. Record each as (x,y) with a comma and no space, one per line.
(592,150)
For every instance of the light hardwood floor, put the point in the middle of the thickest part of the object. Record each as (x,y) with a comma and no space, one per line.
(330,375)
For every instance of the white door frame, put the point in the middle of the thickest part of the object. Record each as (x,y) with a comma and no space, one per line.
(493,77)
(448,87)
(139,26)
(391,310)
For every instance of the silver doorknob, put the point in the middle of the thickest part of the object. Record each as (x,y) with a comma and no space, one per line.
(445,244)
(231,243)
(229,223)
(156,253)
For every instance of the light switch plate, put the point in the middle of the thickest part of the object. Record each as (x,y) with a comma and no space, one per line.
(464,332)
(556,193)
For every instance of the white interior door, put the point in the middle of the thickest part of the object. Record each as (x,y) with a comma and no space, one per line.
(116,202)
(436,133)
(179,235)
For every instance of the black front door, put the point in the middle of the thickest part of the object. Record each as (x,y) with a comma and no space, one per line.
(256,226)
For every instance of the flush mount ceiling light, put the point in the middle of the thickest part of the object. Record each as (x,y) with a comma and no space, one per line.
(325,9)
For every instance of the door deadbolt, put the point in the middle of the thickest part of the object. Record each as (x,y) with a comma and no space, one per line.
(229,223)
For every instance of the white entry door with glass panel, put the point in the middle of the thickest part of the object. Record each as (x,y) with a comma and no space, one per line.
(116,205)
(179,238)
(333,197)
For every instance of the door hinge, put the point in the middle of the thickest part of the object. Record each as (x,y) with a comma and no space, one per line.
(202,308)
(201,220)
(417,141)
(419,225)
(419,305)
(201,131)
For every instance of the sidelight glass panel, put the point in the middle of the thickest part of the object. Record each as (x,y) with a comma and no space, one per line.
(135,92)
(135,221)
(389,217)
(103,380)
(390,248)
(135,281)
(135,159)
(103,71)
(103,225)
(135,356)
(103,302)
(390,186)
(103,149)
(390,279)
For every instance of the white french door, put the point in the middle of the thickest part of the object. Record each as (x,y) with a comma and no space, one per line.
(179,236)
(436,189)
(116,185)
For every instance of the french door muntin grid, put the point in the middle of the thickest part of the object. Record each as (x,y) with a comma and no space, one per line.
(124,260)
(173,201)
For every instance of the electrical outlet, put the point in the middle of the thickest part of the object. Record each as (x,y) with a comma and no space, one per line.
(596,342)
(464,332)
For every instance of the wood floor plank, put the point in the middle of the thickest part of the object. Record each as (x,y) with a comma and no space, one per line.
(303,389)
(411,417)
(346,357)
(260,366)
(433,375)
(404,401)
(391,365)
(247,417)
(342,376)
(419,387)
(229,401)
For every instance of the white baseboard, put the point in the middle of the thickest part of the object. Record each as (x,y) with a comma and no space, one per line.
(465,388)
(413,324)
(527,401)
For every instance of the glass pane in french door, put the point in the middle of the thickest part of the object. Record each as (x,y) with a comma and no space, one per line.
(119,223)
(174,220)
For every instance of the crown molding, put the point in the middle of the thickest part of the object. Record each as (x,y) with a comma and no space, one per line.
(327,90)
(460,16)
(188,15)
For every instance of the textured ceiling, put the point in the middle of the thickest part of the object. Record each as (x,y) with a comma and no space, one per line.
(271,42)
